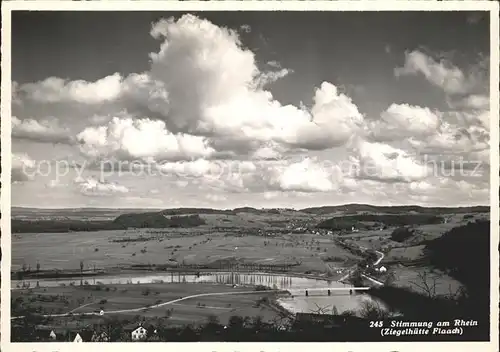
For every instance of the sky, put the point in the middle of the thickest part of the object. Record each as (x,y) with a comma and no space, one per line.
(261,109)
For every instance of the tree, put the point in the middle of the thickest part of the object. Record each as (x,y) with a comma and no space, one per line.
(348,313)
(81,266)
(426,283)
(390,278)
(213,320)
(37,266)
(258,323)
(355,279)
(373,311)
(237,322)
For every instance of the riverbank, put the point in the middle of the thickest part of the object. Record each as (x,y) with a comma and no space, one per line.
(125,271)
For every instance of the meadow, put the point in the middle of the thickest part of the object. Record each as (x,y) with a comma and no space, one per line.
(117,249)
(93,298)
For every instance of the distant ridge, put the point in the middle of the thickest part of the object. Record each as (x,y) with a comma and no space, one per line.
(26,220)
(353,208)
(327,209)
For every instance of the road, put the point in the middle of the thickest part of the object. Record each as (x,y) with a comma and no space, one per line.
(380,258)
(85,305)
(372,279)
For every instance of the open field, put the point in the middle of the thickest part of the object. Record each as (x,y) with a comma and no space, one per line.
(97,249)
(91,298)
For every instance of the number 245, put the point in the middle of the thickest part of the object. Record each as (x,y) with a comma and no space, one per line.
(376,324)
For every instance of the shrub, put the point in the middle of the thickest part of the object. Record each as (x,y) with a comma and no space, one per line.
(401,234)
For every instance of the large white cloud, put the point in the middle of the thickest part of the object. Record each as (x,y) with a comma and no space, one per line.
(140,139)
(213,86)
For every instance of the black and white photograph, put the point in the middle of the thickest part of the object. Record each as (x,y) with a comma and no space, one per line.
(252,176)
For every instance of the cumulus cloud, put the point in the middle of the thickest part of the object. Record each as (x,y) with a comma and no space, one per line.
(474,102)
(55,90)
(441,135)
(195,169)
(203,96)
(213,86)
(273,76)
(94,187)
(45,131)
(414,119)
(302,175)
(382,162)
(442,74)
(204,90)
(141,139)
(449,138)
(401,121)
(305,176)
(22,166)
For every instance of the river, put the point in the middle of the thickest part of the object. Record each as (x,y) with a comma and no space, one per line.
(316,301)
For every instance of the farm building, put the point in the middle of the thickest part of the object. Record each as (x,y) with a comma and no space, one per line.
(139,334)
(82,336)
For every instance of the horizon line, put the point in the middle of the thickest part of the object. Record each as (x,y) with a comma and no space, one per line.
(257,208)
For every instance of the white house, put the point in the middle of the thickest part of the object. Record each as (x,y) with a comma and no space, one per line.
(52,335)
(382,269)
(139,334)
(78,338)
